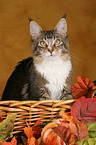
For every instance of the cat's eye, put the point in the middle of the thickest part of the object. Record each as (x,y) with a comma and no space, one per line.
(43,43)
(57,41)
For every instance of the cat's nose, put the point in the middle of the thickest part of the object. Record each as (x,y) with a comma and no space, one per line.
(51,50)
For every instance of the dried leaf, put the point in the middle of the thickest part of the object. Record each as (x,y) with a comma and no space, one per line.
(32,141)
(78,128)
(83,87)
(31,132)
(13,142)
(65,115)
(36,129)
(94,92)
(6,126)
(84,109)
(65,134)
(1,119)
(24,140)
(28,131)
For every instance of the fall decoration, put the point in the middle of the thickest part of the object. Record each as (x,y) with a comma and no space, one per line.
(84,109)
(48,133)
(83,87)
(52,122)
(6,127)
(13,142)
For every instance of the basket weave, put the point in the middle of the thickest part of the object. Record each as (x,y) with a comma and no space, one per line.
(32,111)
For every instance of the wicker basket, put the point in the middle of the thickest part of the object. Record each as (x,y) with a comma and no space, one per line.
(32,111)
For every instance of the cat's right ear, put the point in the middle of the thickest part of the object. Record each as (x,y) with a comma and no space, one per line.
(61,26)
(35,29)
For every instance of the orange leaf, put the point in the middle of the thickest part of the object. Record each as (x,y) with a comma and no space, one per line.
(13,142)
(28,131)
(83,87)
(32,141)
(65,115)
(94,92)
(32,132)
(79,129)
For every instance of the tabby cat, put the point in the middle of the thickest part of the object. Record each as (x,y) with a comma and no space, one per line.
(48,73)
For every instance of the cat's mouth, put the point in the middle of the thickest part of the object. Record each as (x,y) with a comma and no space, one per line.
(51,55)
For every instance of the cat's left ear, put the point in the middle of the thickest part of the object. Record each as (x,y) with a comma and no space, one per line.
(35,29)
(61,27)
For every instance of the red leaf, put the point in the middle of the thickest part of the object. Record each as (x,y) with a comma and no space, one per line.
(65,134)
(32,132)
(1,119)
(83,87)
(84,109)
(36,129)
(13,142)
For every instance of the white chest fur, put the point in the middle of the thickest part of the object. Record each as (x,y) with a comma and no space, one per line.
(55,71)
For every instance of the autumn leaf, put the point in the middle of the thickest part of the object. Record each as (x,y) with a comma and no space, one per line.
(72,131)
(65,134)
(84,109)
(6,126)
(32,141)
(32,132)
(94,92)
(91,138)
(1,119)
(24,140)
(13,142)
(78,128)
(36,129)
(28,131)
(65,115)
(83,87)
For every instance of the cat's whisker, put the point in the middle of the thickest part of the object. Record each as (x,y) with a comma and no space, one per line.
(74,49)
(76,58)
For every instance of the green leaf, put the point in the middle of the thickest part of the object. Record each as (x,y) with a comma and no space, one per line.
(91,126)
(81,142)
(92,134)
(6,126)
(90,141)
(91,129)
(91,138)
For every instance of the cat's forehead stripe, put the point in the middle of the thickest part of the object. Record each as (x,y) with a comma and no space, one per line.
(49,34)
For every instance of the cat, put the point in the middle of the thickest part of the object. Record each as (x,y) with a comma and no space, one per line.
(48,73)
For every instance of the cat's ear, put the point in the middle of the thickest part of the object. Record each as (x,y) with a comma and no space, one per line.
(61,26)
(35,29)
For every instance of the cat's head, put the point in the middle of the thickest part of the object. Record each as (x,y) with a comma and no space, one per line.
(49,44)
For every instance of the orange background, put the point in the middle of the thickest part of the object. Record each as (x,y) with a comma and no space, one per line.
(15,36)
